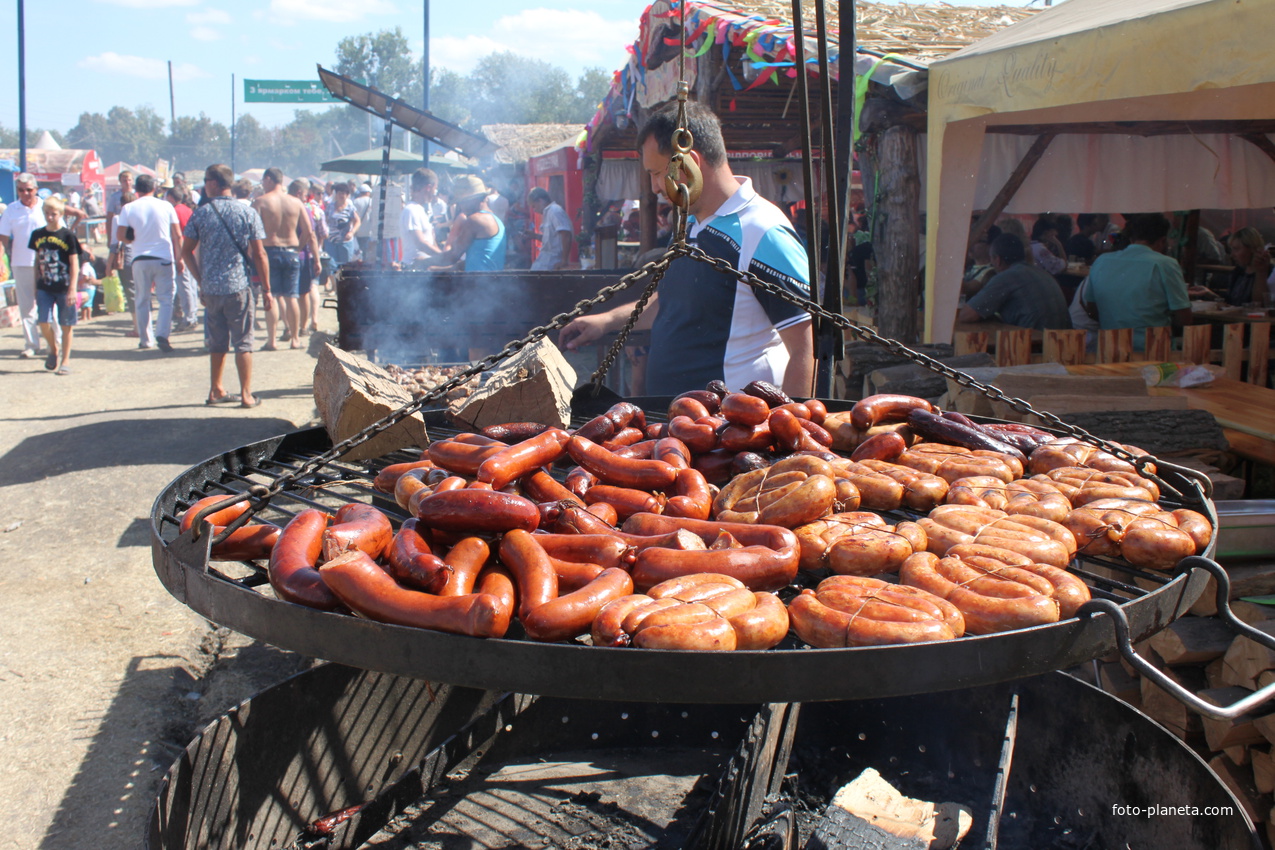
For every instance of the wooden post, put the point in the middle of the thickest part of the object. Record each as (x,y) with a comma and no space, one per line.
(1115,345)
(1014,348)
(1065,347)
(897,240)
(1025,166)
(971,342)
(1159,345)
(1197,343)
(1259,351)
(1233,350)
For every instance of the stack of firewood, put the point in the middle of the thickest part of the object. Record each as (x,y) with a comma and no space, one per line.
(1204,655)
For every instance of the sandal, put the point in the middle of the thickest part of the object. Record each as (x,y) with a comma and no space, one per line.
(221,399)
(64,370)
(255,401)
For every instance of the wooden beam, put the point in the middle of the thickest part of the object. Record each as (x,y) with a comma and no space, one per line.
(1012,185)
(1261,141)
(1139,128)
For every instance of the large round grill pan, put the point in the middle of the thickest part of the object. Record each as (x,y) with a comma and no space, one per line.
(237,596)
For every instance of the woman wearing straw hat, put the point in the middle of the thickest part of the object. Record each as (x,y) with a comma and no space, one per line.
(479,236)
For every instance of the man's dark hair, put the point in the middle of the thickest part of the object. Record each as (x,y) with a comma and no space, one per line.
(1146,227)
(1009,248)
(219,175)
(144,184)
(1085,219)
(275,175)
(1042,224)
(423,177)
(992,232)
(540,196)
(706,131)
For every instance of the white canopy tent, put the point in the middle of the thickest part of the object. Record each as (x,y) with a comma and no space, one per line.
(1098,106)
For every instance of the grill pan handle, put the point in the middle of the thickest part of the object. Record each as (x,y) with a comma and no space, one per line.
(1121,624)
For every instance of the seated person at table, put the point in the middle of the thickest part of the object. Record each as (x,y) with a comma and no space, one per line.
(1252,267)
(1046,249)
(1019,294)
(981,269)
(1138,287)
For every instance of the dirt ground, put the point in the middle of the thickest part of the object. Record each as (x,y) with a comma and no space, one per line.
(104,677)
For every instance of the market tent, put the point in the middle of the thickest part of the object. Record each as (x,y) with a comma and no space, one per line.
(1095,106)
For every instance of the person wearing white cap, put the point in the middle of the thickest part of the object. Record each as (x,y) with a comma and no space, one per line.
(363,205)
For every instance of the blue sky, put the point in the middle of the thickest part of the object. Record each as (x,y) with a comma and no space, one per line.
(90,55)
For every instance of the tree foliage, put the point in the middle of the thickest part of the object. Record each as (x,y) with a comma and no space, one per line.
(120,135)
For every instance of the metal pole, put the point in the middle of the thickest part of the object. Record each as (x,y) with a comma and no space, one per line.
(425,82)
(830,344)
(845,122)
(385,179)
(808,166)
(172,102)
(232,123)
(22,88)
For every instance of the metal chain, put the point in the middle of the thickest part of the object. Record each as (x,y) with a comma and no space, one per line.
(677,250)
(868,334)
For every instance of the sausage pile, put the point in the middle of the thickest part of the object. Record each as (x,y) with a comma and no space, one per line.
(682,535)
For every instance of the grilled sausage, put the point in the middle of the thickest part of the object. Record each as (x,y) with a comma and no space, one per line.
(626,501)
(699,436)
(859,611)
(542,487)
(251,542)
(692,496)
(573,613)
(358,526)
(531,568)
(514,432)
(462,457)
(412,561)
(217,518)
(388,476)
(464,562)
(607,629)
(989,603)
(293,561)
(366,588)
(885,407)
(767,560)
(620,471)
(512,463)
(477,511)
(673,452)
(746,410)
(880,447)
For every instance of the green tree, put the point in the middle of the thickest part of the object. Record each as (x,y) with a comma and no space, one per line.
(197,142)
(120,135)
(383,61)
(591,88)
(512,89)
(450,96)
(254,144)
(9,138)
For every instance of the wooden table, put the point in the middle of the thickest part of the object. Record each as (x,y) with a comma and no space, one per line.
(1231,315)
(1246,412)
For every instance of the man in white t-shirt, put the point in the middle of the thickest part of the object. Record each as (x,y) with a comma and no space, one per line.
(416,225)
(555,232)
(20,219)
(156,243)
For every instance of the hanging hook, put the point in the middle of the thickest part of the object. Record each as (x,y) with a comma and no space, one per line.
(680,194)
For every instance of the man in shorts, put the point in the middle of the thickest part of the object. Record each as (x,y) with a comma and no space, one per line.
(287,228)
(220,239)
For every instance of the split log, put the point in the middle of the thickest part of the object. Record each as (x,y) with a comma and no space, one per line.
(352,393)
(1263,769)
(1168,710)
(1239,754)
(869,812)
(1246,658)
(1192,640)
(1229,733)
(1160,433)
(863,358)
(1116,681)
(1240,782)
(1213,672)
(535,385)
(1252,612)
(1066,406)
(1246,580)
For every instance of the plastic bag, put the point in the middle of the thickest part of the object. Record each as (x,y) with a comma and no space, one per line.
(113,293)
(1179,375)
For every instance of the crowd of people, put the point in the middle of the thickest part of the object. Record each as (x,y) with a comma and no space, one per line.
(1094,275)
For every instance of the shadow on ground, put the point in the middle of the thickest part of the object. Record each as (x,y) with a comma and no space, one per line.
(123,443)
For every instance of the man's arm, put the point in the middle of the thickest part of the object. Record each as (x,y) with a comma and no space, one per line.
(589,329)
(257,252)
(121,234)
(175,236)
(564,236)
(306,236)
(969,314)
(74,284)
(7,243)
(192,263)
(799,377)
(458,242)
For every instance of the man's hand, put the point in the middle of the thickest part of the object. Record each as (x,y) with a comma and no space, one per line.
(582,331)
(266,300)
(318,266)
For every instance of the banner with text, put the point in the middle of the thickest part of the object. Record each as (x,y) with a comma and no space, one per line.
(285,91)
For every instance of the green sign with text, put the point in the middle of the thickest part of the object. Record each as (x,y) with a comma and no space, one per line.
(285,91)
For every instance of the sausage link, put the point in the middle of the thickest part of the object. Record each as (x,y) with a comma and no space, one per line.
(746,410)
(607,550)
(763,626)
(514,432)
(699,438)
(625,500)
(366,588)
(460,457)
(642,450)
(607,627)
(358,526)
(495,581)
(989,604)
(626,437)
(573,613)
(387,477)
(574,520)
(885,407)
(716,465)
(293,561)
(251,542)
(572,576)
(789,435)
(693,497)
(885,447)
(605,512)
(521,458)
(531,568)
(818,410)
(478,511)
(464,562)
(542,487)
(579,481)
(413,563)
(620,471)
(687,406)
(673,452)
(217,518)
(711,633)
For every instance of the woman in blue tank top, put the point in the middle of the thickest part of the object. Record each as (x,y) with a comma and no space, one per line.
(480,236)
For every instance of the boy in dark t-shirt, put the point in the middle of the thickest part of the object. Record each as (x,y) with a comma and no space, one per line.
(57,272)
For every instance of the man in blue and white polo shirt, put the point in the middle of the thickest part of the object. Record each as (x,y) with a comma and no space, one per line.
(704,325)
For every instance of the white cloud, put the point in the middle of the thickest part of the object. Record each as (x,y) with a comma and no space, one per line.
(209,16)
(332,11)
(205,34)
(149,4)
(583,38)
(140,66)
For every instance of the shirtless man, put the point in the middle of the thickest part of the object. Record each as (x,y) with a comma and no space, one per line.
(287,228)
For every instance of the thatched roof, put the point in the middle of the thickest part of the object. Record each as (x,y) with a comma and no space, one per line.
(520,142)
